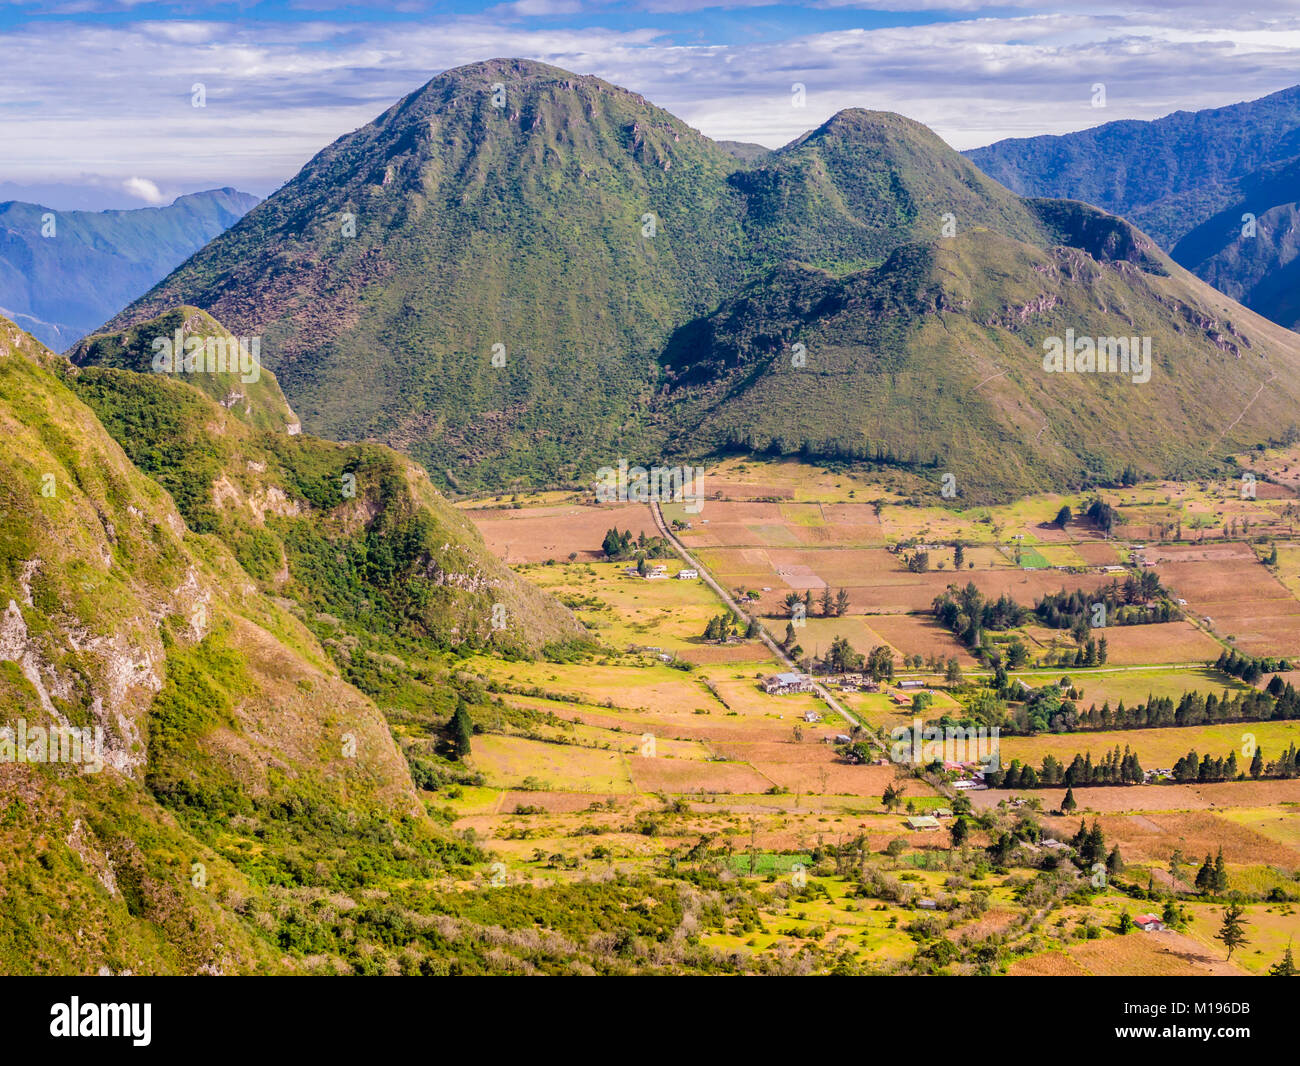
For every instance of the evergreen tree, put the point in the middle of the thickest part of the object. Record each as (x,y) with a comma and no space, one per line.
(1069,803)
(1125,923)
(1205,875)
(841,601)
(827,604)
(1257,764)
(1115,861)
(1233,930)
(461,729)
(1220,874)
(1286,967)
(1094,845)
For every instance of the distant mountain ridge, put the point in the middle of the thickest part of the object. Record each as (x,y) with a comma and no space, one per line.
(60,287)
(518,274)
(1190,179)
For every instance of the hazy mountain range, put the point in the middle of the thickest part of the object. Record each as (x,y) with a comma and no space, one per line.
(1217,189)
(62,273)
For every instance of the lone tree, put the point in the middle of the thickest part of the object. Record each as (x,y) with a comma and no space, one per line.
(1286,967)
(1233,930)
(1064,516)
(841,602)
(959,832)
(461,729)
(1069,803)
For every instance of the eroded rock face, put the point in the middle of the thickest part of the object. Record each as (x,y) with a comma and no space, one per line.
(122,677)
(17,647)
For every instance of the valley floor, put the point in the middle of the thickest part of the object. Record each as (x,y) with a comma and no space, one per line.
(664,754)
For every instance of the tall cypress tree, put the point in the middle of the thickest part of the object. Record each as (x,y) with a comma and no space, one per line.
(461,729)
(1205,875)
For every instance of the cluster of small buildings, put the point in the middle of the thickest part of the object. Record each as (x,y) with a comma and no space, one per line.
(786,683)
(855,683)
(658,653)
(659,572)
(970,776)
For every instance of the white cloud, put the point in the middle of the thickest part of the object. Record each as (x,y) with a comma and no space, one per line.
(117,97)
(143,189)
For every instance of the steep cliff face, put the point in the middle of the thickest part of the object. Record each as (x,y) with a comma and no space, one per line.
(184,705)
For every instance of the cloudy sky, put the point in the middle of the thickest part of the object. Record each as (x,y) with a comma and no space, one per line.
(96,96)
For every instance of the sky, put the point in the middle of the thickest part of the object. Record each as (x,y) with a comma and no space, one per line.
(97,96)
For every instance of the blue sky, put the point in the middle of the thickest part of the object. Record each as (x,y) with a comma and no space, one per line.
(96,95)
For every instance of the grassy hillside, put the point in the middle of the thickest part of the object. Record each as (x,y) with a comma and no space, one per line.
(257,401)
(254,812)
(600,249)
(378,565)
(934,361)
(220,714)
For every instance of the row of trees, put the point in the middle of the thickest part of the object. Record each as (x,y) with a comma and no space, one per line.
(1115,769)
(1249,668)
(1048,709)
(830,607)
(1191,709)
(1053,708)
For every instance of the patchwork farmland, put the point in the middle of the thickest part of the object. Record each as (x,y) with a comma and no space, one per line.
(662,743)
